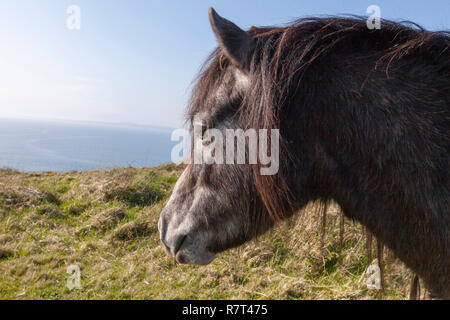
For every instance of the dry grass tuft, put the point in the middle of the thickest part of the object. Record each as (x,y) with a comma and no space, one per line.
(50,211)
(134,230)
(5,253)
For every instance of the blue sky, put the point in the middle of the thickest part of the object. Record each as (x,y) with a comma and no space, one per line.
(134,61)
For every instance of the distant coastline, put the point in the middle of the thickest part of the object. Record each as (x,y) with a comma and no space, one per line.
(32,145)
(90,122)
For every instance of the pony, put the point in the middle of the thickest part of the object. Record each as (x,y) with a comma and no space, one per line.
(363,118)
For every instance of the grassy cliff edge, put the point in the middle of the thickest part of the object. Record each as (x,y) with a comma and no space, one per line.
(105,222)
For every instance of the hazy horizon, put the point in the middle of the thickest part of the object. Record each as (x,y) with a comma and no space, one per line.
(87,121)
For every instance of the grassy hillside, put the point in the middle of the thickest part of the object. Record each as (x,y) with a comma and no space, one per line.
(106,223)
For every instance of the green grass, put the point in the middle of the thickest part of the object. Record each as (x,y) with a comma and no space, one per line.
(105,222)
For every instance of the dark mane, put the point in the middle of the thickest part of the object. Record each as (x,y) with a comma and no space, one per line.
(279,65)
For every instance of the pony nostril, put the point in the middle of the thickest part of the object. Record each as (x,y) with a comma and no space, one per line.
(178,243)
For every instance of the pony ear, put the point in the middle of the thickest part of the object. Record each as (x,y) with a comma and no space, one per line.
(235,42)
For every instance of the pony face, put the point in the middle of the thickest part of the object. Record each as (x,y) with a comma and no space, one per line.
(214,205)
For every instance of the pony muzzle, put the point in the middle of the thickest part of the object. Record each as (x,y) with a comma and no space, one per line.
(185,248)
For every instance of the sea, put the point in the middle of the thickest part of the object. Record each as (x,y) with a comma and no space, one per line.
(38,145)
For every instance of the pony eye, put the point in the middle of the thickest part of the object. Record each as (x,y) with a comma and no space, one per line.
(204,127)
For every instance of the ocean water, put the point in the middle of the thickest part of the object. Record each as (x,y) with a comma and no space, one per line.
(31,145)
